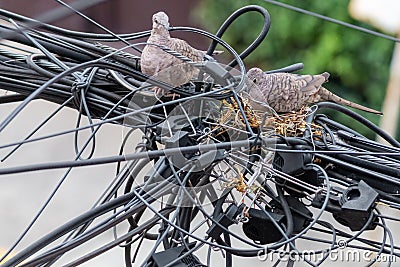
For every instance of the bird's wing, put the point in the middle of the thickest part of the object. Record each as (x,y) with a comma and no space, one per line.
(182,47)
(310,84)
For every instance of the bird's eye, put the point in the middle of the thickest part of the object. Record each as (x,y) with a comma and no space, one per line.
(156,21)
(254,80)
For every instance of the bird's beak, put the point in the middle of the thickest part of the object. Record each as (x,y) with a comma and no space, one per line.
(167,27)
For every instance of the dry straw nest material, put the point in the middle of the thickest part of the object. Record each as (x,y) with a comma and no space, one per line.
(286,124)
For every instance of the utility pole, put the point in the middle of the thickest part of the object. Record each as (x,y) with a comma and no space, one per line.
(385,15)
(391,103)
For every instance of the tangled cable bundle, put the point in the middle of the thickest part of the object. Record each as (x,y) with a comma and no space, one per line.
(211,178)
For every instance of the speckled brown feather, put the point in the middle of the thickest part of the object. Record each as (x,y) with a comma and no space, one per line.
(285,92)
(164,66)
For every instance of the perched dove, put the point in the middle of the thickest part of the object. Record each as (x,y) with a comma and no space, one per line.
(285,92)
(166,67)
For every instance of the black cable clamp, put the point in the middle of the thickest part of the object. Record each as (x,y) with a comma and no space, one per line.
(225,219)
(167,256)
(297,165)
(261,226)
(354,207)
(76,89)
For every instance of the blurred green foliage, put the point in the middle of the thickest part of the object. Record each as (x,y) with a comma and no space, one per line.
(359,63)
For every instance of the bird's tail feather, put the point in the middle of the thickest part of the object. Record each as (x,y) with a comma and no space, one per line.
(327,95)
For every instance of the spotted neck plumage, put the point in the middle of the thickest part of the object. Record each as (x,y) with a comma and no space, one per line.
(160,32)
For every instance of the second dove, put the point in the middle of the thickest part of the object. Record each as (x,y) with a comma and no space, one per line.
(286,92)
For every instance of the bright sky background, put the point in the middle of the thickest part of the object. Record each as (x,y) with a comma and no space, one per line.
(384,14)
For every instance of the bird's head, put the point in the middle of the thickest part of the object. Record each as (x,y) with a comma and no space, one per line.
(160,20)
(254,76)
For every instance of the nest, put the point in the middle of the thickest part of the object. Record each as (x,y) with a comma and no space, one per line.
(291,124)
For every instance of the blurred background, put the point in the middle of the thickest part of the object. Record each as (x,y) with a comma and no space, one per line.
(359,63)
(361,68)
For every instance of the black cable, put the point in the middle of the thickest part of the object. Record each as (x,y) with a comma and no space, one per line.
(99,99)
(98,51)
(30,60)
(375,176)
(233,52)
(377,167)
(89,215)
(55,48)
(228,256)
(57,187)
(322,118)
(66,43)
(127,249)
(4,99)
(36,93)
(332,20)
(19,69)
(66,32)
(79,99)
(288,213)
(53,14)
(128,211)
(261,36)
(61,106)
(361,119)
(341,233)
(368,145)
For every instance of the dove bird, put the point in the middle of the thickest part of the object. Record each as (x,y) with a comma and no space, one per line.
(285,92)
(163,66)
